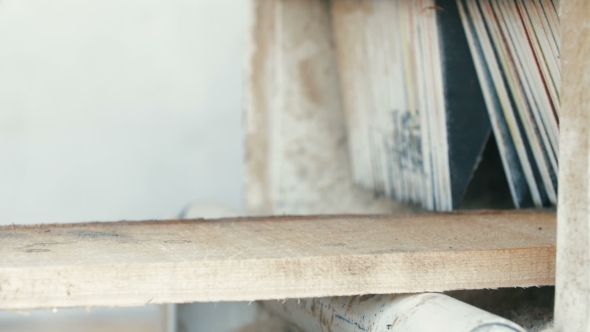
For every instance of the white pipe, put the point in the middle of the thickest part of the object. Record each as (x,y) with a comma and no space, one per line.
(390,313)
(168,317)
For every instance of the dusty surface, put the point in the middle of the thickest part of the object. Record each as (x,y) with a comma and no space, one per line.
(572,302)
(532,308)
(297,159)
(137,263)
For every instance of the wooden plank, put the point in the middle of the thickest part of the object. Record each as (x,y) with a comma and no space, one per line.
(297,159)
(572,302)
(135,263)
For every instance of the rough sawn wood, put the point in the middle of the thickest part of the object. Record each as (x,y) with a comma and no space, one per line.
(135,263)
(572,289)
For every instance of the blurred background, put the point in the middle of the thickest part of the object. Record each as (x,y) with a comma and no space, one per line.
(121,109)
(117,109)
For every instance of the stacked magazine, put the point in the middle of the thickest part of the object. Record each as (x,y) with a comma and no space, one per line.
(454,73)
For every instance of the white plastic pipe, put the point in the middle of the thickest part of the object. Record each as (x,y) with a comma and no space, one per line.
(390,313)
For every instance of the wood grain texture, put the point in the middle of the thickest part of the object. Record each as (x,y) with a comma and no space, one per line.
(135,263)
(572,302)
(259,103)
(297,159)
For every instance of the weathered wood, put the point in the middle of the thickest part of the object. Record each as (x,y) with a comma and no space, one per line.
(297,159)
(572,302)
(135,263)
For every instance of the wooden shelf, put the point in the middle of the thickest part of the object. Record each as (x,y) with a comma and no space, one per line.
(136,263)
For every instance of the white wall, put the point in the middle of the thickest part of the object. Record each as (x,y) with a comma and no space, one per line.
(119,109)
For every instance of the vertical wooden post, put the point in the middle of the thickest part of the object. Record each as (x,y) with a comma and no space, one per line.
(260,91)
(572,306)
